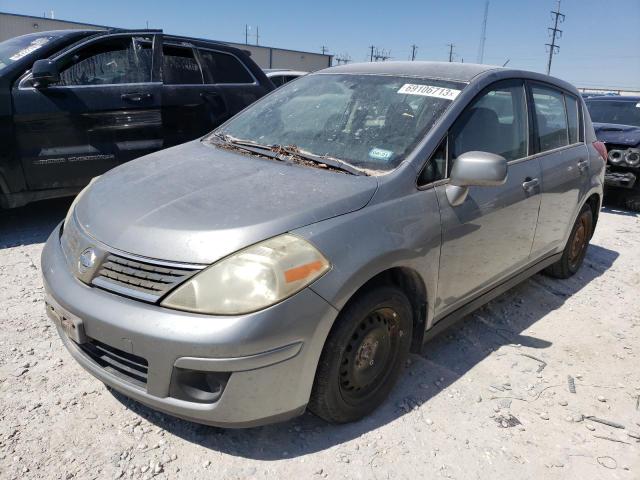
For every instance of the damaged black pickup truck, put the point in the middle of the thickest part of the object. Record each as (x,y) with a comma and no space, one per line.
(76,103)
(616,120)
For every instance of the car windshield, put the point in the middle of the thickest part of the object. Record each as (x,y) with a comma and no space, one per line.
(622,112)
(368,121)
(17,48)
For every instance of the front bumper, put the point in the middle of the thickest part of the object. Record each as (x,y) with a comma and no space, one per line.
(271,355)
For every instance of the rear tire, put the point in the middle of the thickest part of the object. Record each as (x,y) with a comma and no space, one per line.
(576,248)
(363,356)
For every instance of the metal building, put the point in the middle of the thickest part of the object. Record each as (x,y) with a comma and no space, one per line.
(13,25)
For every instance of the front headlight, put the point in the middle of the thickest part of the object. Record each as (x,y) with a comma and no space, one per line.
(251,279)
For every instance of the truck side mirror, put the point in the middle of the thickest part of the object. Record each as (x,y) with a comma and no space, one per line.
(44,72)
(475,169)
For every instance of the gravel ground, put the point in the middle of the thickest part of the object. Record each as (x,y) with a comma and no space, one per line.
(475,405)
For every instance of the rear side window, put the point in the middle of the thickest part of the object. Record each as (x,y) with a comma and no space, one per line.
(573,119)
(111,61)
(179,66)
(494,123)
(551,118)
(223,68)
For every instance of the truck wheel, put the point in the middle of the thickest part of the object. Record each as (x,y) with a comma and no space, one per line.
(632,203)
(363,355)
(576,247)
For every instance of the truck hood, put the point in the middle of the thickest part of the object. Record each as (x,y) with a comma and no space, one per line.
(197,203)
(618,134)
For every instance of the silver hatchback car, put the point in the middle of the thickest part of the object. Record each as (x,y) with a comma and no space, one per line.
(296,255)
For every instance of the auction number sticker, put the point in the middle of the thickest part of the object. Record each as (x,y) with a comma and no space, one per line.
(429,91)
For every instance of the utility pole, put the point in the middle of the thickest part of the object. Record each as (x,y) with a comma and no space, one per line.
(555,33)
(371,47)
(414,48)
(257,35)
(450,45)
(483,35)
(323,49)
(246,34)
(343,58)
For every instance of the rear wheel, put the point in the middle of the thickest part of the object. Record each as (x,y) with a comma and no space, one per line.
(576,247)
(363,356)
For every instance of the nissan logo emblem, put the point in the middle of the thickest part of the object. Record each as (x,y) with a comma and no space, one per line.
(87,259)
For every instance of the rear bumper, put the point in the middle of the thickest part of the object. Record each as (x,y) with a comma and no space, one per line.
(270,356)
(626,180)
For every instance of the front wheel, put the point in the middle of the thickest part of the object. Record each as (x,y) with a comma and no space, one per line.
(363,355)
(576,248)
(632,203)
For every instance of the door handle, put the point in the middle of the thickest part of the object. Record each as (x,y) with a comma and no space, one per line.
(135,97)
(214,98)
(583,165)
(530,183)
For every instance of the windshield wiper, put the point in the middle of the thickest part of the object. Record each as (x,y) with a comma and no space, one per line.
(290,153)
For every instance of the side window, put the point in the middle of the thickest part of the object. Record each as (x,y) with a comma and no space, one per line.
(551,118)
(495,123)
(223,68)
(573,118)
(179,66)
(109,61)
(436,167)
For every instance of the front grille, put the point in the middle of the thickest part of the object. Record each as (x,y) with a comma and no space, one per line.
(128,367)
(137,279)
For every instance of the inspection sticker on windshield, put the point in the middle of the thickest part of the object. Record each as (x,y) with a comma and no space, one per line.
(429,91)
(380,154)
(32,47)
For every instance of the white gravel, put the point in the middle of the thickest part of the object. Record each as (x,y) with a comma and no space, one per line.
(473,406)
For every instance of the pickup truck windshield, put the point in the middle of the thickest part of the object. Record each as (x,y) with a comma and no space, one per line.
(368,121)
(17,48)
(623,112)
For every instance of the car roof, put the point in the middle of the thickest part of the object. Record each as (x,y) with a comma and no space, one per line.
(277,73)
(614,98)
(454,71)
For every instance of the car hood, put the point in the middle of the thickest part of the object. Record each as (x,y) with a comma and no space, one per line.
(197,203)
(617,134)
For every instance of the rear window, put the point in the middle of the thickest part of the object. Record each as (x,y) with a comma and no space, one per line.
(622,112)
(223,68)
(179,66)
(551,118)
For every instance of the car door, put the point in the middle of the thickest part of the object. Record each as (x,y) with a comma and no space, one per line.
(489,236)
(104,110)
(564,159)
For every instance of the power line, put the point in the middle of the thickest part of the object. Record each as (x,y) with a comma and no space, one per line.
(555,32)
(483,35)
(414,49)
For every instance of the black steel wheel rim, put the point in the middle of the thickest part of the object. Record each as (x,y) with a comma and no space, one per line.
(369,355)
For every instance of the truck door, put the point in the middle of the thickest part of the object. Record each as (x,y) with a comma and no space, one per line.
(104,110)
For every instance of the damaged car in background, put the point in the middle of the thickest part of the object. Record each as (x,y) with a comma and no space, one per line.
(617,124)
(295,256)
(76,103)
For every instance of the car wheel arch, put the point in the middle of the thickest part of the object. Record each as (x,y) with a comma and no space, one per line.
(413,285)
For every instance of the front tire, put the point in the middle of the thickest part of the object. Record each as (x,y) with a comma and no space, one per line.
(363,356)
(576,248)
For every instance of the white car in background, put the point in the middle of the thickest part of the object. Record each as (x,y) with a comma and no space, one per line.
(280,76)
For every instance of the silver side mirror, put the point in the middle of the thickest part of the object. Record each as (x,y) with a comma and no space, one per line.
(481,169)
